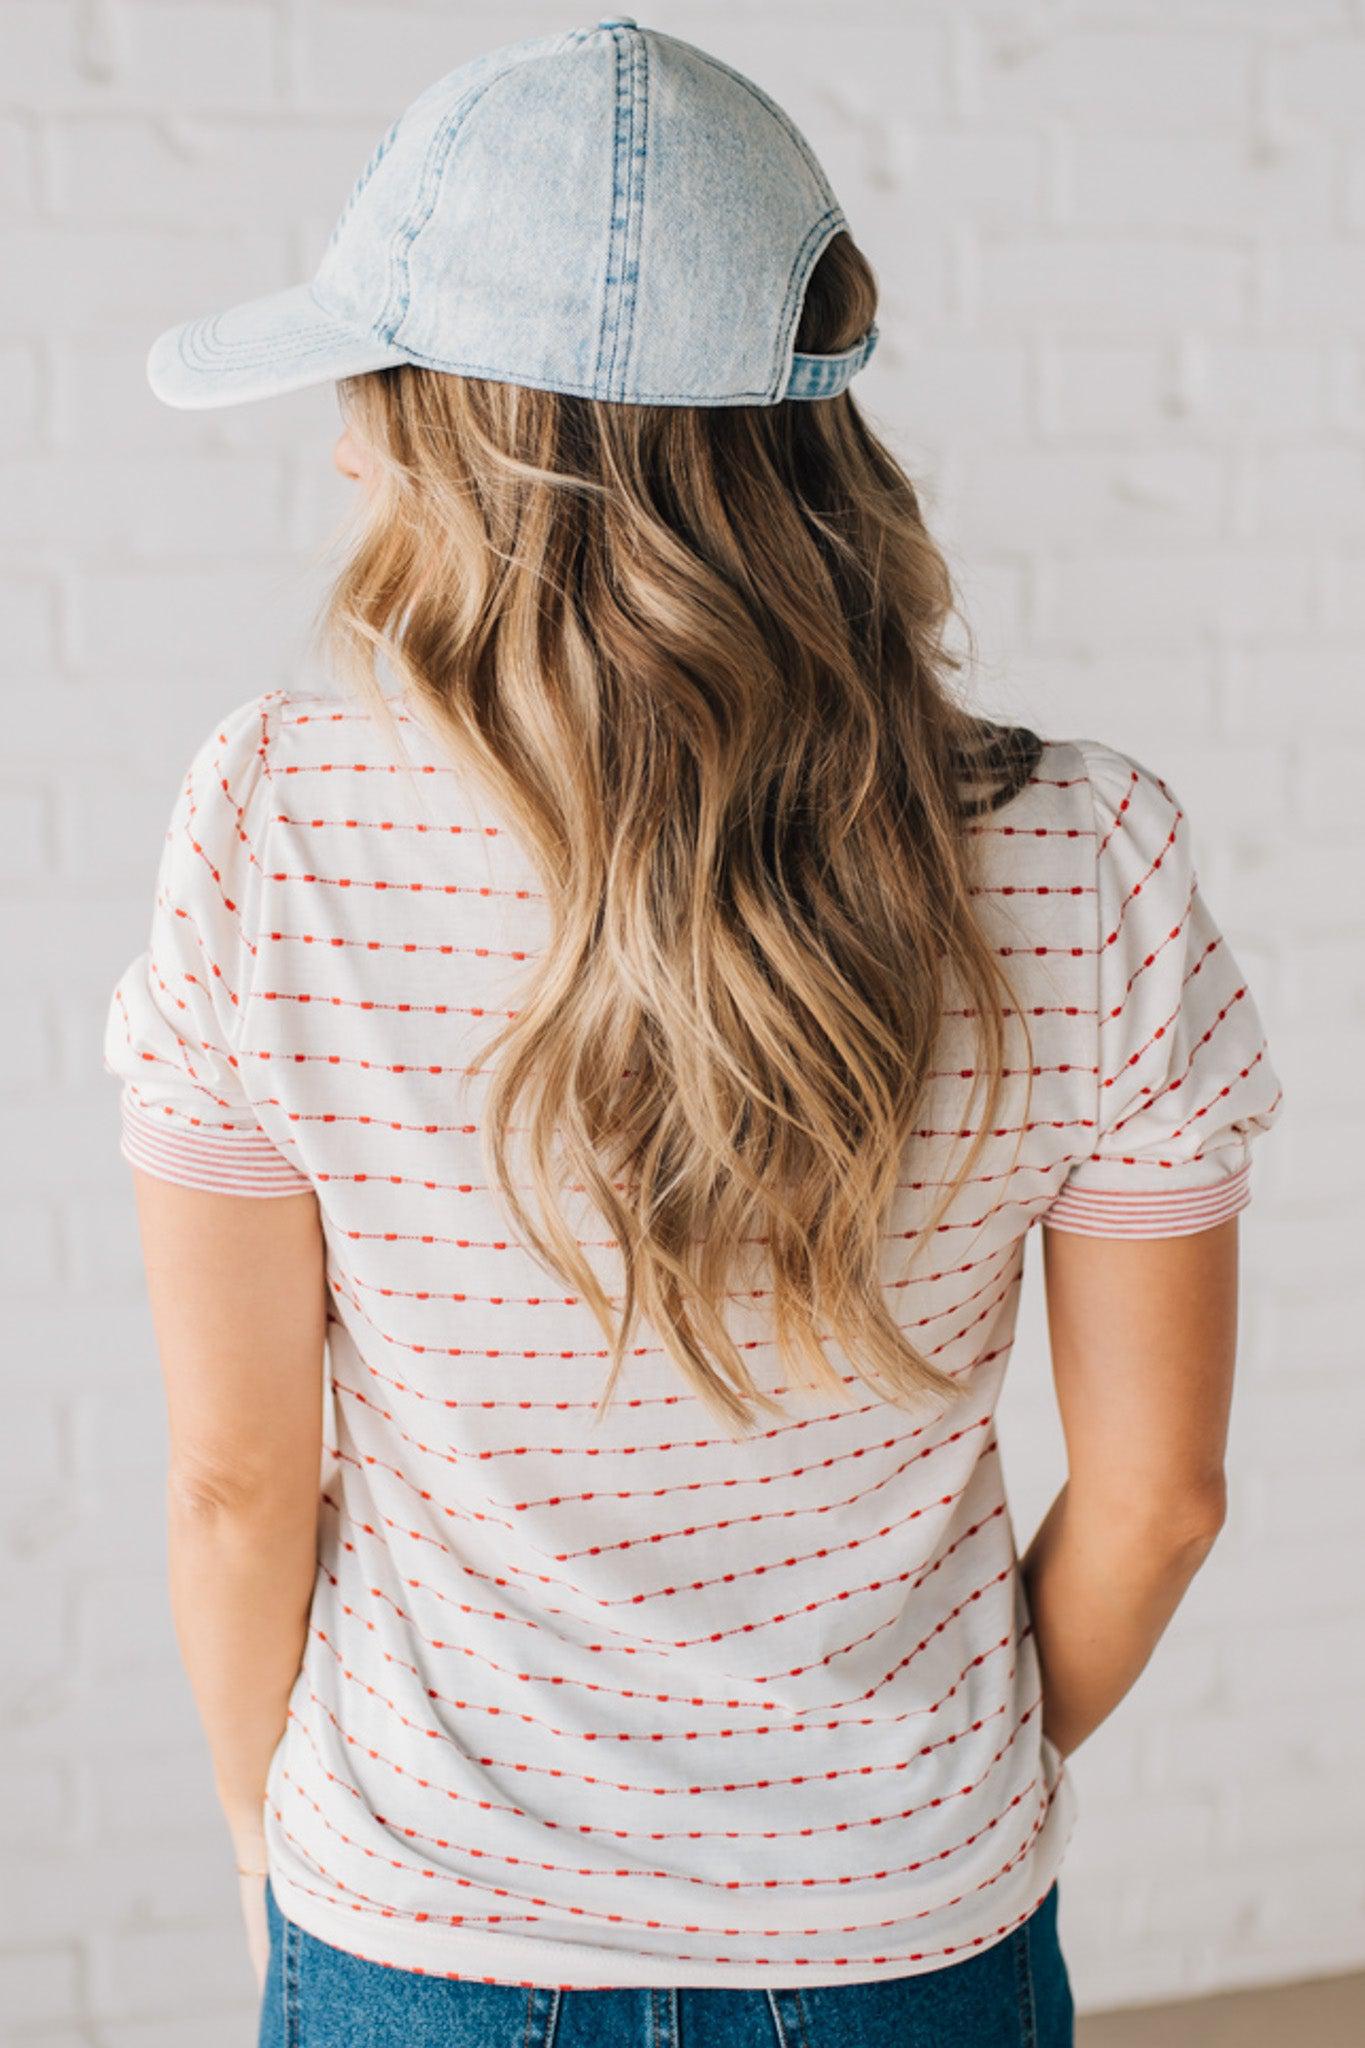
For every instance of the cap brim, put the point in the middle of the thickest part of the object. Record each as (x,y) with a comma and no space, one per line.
(262,348)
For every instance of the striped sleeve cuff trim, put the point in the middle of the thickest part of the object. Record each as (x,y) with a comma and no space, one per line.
(236,1163)
(1159,1212)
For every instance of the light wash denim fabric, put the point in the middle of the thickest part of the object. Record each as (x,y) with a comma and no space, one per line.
(608,212)
(1015,1994)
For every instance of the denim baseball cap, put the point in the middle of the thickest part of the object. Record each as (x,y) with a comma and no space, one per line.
(609,212)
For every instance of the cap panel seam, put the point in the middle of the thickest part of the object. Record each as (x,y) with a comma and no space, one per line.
(627,210)
(377,155)
(399,289)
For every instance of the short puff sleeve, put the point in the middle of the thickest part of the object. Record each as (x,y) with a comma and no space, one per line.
(173,1027)
(1185,1081)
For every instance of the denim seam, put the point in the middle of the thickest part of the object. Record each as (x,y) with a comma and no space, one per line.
(627,209)
(663,2006)
(611,296)
(380,151)
(439,150)
(552,2019)
(784,2037)
(534,2036)
(290,1976)
(1023,1961)
(639,173)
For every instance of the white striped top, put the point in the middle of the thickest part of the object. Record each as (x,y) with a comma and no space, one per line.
(634,1703)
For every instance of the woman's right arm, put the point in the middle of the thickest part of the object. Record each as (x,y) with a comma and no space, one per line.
(1143,1337)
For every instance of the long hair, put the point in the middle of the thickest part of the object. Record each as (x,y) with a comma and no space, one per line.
(698,656)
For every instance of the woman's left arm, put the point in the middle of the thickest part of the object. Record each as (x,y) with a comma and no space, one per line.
(238,1300)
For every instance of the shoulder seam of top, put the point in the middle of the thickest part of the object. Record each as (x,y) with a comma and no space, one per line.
(1082,749)
(260,707)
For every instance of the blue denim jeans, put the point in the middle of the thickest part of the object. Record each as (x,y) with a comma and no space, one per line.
(1016,1994)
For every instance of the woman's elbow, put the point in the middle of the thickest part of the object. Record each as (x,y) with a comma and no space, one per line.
(1178,1522)
(1197,1519)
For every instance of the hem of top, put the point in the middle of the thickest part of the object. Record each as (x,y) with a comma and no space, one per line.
(239,1162)
(1148,1212)
(494,1959)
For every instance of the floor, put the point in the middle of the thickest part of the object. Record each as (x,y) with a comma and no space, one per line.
(1327,2012)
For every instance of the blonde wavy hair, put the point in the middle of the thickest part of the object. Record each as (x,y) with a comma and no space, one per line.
(698,656)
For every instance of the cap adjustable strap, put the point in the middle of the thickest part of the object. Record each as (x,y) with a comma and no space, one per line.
(825,376)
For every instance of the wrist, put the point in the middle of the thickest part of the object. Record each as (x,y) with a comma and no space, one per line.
(247,1835)
(250,1858)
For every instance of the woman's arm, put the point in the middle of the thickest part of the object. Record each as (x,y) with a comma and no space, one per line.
(238,1300)
(1143,1336)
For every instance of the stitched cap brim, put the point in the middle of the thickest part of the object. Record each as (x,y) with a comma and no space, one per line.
(261,348)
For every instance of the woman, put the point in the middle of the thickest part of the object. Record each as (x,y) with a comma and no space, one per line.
(588,1105)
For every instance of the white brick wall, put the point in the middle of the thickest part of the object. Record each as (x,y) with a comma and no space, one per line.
(1120,245)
